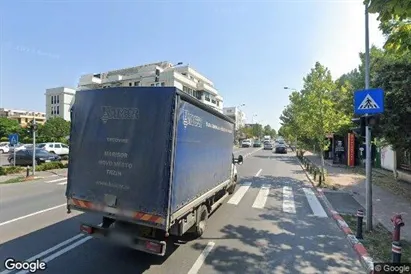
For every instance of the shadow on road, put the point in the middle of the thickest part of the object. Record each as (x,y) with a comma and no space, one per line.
(277,242)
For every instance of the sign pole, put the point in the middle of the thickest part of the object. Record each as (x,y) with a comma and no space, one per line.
(368,166)
(14,156)
(34,146)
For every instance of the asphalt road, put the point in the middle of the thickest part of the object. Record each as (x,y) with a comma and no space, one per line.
(271,224)
(3,159)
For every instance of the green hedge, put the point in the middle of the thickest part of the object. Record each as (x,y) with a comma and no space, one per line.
(43,167)
(5,170)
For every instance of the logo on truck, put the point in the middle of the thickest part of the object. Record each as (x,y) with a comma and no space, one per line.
(116,113)
(190,119)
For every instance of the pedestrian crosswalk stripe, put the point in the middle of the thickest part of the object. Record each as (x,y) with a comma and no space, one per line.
(315,205)
(56,180)
(288,200)
(239,194)
(262,196)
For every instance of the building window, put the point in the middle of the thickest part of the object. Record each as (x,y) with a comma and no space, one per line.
(163,84)
(197,94)
(51,111)
(152,85)
(137,83)
(207,97)
(58,99)
(130,84)
(52,99)
(218,103)
(58,110)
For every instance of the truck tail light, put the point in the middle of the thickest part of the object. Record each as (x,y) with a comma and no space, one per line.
(86,229)
(154,247)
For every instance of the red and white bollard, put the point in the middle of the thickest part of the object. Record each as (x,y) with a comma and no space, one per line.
(398,223)
(396,252)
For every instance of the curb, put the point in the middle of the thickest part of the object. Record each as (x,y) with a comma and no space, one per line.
(360,250)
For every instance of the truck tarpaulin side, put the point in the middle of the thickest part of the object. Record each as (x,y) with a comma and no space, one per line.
(120,148)
(203,153)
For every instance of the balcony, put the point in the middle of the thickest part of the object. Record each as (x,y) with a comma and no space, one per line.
(208,88)
(90,79)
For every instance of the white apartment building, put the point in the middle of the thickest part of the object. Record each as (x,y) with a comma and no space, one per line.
(58,102)
(237,115)
(163,74)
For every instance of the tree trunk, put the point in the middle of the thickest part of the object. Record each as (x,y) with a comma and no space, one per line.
(321,177)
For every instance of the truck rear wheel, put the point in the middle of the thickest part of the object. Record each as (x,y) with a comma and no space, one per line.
(231,189)
(201,221)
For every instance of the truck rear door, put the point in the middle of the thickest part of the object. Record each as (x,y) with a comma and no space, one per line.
(120,151)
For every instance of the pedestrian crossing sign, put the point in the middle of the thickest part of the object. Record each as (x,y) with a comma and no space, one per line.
(369,101)
(13,139)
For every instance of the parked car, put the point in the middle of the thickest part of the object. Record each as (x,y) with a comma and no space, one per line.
(25,157)
(56,148)
(257,143)
(280,148)
(246,143)
(19,147)
(4,148)
(268,145)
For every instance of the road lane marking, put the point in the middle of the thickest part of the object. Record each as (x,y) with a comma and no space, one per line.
(60,252)
(56,180)
(288,200)
(315,204)
(239,194)
(31,214)
(249,154)
(63,183)
(48,251)
(258,172)
(200,260)
(262,196)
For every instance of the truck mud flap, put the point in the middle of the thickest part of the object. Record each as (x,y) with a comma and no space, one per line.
(135,242)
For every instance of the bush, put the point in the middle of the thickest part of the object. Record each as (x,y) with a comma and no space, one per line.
(6,170)
(51,165)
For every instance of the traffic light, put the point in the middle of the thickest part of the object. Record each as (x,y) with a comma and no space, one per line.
(33,127)
(362,123)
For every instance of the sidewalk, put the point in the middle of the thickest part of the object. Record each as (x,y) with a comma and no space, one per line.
(389,196)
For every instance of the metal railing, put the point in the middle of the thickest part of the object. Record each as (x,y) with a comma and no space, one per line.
(312,168)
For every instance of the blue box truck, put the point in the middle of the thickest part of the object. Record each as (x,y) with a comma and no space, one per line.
(153,161)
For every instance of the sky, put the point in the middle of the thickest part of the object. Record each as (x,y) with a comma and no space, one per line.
(251,50)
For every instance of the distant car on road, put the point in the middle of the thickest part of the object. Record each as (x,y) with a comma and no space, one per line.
(246,143)
(268,145)
(257,143)
(281,149)
(25,157)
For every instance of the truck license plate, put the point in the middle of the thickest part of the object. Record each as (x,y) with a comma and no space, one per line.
(120,237)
